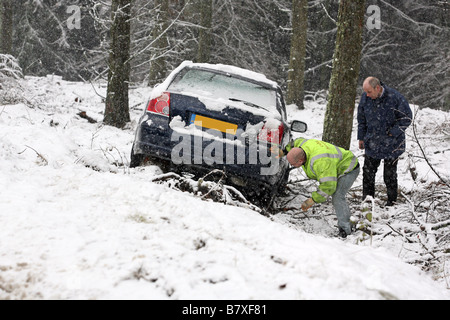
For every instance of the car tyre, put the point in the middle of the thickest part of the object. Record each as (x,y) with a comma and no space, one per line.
(136,160)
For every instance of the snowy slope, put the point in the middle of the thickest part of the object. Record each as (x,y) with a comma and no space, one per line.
(77,226)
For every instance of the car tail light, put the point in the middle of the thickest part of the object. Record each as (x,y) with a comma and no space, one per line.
(273,136)
(160,105)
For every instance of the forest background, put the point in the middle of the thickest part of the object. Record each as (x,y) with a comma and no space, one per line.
(405,43)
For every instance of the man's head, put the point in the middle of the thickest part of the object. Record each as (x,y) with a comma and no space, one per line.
(296,157)
(372,87)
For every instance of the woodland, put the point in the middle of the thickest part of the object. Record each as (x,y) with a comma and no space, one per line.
(405,43)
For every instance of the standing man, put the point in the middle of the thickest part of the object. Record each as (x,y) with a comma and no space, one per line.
(335,168)
(383,117)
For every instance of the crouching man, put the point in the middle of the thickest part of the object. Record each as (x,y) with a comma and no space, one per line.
(335,168)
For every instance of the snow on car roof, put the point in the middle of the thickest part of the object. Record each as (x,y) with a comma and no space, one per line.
(237,71)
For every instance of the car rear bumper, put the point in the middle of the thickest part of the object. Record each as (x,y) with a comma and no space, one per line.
(240,164)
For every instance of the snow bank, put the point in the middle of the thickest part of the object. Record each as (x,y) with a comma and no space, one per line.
(79,224)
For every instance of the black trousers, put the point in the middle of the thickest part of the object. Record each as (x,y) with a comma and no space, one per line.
(390,177)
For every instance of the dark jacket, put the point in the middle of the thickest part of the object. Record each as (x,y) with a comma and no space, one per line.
(382,124)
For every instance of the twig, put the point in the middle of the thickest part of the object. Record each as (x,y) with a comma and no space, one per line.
(399,233)
(40,156)
(217,184)
(104,98)
(440,225)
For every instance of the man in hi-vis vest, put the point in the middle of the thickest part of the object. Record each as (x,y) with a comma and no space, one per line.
(335,168)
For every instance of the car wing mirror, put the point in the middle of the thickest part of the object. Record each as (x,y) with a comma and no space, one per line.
(299,126)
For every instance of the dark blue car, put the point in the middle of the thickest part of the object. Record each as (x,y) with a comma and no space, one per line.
(206,117)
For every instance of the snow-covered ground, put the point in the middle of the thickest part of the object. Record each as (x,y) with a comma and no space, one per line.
(77,223)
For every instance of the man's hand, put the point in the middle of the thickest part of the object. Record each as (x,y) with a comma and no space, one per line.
(307,204)
(275,149)
(361,145)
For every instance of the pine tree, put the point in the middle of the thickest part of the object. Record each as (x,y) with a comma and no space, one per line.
(338,122)
(117,109)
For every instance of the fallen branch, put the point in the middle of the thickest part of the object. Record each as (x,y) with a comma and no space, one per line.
(84,115)
(207,190)
(440,225)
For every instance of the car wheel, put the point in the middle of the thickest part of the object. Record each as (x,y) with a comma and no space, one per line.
(259,196)
(136,159)
(284,182)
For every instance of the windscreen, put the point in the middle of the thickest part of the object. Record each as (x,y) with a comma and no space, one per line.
(221,86)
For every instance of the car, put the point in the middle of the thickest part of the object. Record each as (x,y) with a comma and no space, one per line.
(207,117)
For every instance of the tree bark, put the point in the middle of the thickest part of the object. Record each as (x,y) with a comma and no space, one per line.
(338,122)
(204,41)
(6,26)
(117,112)
(296,75)
(158,66)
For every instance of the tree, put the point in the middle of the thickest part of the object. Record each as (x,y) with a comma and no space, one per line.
(338,122)
(6,26)
(57,37)
(204,38)
(117,109)
(296,74)
(158,68)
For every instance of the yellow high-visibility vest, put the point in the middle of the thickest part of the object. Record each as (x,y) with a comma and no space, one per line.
(325,163)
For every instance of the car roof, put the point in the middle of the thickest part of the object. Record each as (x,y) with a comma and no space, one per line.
(232,70)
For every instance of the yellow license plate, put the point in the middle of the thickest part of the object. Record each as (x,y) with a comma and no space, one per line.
(209,123)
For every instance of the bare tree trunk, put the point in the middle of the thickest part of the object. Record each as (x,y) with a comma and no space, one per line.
(158,67)
(117,112)
(338,122)
(296,76)
(6,26)
(204,41)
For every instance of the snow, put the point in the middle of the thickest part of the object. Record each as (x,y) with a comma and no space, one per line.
(235,70)
(78,223)
(9,67)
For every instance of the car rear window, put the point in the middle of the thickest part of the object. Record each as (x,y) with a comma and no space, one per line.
(220,86)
